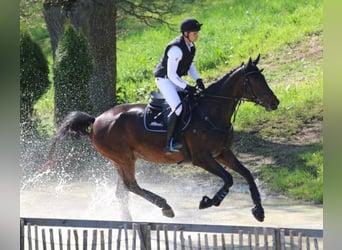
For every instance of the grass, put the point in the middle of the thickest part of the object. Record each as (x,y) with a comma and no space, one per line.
(232,32)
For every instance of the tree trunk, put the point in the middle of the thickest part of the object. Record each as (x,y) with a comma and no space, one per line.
(97,19)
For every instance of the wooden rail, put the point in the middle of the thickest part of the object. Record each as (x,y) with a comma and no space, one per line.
(39,233)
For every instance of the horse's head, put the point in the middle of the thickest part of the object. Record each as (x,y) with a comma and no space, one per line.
(255,86)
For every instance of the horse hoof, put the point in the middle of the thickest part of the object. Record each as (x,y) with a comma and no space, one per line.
(258,213)
(205,202)
(168,212)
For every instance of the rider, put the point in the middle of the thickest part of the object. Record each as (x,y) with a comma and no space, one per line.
(176,62)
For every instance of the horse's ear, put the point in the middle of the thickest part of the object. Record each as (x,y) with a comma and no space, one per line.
(255,62)
(249,61)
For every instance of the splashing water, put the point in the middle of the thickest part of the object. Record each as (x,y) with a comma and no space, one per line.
(87,191)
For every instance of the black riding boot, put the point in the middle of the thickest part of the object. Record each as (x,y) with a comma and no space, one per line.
(171,146)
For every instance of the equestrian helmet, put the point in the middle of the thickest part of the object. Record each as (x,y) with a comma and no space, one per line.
(190,24)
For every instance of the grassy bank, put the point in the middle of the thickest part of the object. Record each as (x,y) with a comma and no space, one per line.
(232,32)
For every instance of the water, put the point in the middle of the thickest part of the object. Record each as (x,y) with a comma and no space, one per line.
(94,198)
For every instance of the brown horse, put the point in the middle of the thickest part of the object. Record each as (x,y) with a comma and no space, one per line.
(119,135)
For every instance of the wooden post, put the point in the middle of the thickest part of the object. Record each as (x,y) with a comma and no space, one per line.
(110,238)
(307,243)
(276,240)
(102,240)
(315,244)
(265,239)
(175,238)
(118,240)
(240,239)
(291,240)
(249,240)
(182,240)
(29,236)
(52,241)
(199,241)
(299,240)
(145,236)
(232,240)
(43,239)
(36,237)
(60,239)
(190,242)
(85,239)
(134,237)
(158,236)
(214,242)
(69,240)
(206,243)
(76,239)
(94,240)
(282,239)
(223,242)
(256,235)
(166,237)
(126,236)
(22,234)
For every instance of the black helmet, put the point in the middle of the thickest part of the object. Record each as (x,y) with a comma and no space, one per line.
(190,24)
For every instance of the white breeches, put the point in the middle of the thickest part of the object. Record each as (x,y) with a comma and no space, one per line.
(169,91)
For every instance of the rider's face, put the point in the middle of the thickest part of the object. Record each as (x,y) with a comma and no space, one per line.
(192,36)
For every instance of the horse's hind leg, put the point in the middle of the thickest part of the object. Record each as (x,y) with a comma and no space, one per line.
(229,159)
(127,174)
(122,195)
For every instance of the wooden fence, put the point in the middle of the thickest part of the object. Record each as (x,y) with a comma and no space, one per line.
(44,234)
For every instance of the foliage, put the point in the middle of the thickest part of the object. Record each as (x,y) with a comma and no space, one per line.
(232,32)
(34,80)
(72,72)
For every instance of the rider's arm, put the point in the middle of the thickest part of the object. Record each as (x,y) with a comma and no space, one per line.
(174,55)
(193,72)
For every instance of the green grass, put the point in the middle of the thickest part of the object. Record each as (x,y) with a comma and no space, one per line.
(232,32)
(302,179)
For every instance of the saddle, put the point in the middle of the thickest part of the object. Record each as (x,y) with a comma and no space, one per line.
(157,111)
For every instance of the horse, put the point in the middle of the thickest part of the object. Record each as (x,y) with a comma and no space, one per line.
(119,135)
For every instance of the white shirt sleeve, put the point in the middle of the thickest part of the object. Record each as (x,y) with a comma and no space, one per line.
(193,72)
(174,55)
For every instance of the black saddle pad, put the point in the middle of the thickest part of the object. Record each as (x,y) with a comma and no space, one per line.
(157,111)
(155,119)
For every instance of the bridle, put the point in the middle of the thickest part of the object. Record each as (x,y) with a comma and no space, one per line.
(247,88)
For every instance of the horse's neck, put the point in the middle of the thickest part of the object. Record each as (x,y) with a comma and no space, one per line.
(222,99)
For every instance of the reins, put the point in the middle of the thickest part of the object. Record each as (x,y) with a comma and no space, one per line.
(239,99)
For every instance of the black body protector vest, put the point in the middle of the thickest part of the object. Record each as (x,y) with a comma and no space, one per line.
(184,64)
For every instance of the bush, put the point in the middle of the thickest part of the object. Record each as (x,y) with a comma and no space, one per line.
(34,79)
(72,73)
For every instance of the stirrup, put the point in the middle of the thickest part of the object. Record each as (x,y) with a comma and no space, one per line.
(174,148)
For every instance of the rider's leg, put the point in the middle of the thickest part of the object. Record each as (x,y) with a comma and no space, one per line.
(171,145)
(169,91)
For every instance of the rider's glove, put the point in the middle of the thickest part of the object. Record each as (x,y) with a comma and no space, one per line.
(199,84)
(190,90)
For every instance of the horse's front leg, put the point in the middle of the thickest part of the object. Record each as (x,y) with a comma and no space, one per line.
(210,164)
(229,159)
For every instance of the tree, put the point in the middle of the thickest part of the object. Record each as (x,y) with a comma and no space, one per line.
(97,18)
(34,80)
(73,68)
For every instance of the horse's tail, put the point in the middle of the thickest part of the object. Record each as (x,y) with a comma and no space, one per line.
(74,125)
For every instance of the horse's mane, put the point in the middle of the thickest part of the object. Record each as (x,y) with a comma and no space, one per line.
(220,81)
